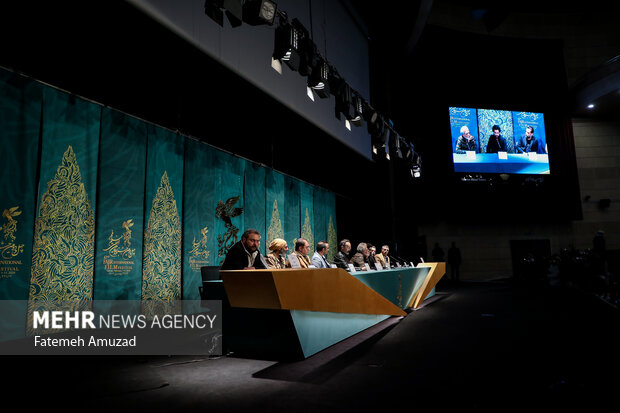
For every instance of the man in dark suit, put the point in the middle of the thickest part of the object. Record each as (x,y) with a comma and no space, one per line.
(244,255)
(497,143)
(341,259)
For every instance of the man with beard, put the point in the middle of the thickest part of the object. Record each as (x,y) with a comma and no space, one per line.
(497,143)
(244,255)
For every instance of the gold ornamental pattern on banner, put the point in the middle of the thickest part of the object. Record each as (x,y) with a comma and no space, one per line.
(63,249)
(161,276)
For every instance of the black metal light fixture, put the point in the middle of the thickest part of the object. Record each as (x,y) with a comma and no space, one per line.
(286,46)
(307,49)
(357,110)
(318,79)
(343,94)
(213,9)
(234,11)
(259,12)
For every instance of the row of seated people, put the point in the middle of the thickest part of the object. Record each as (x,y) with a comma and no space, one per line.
(245,255)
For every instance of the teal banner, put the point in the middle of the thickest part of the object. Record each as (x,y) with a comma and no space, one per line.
(332,232)
(325,219)
(321,216)
(199,239)
(20,117)
(162,262)
(291,216)
(306,203)
(274,209)
(97,204)
(120,207)
(63,248)
(255,200)
(64,232)
(228,204)
(20,120)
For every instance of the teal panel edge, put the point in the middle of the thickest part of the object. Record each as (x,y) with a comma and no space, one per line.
(318,330)
(397,285)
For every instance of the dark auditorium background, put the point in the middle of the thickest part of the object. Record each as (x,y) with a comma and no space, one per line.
(410,60)
(422,58)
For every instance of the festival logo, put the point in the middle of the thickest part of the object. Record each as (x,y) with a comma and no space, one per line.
(9,250)
(118,260)
(225,212)
(199,256)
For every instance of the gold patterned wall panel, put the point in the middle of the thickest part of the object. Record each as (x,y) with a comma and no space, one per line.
(275,226)
(306,232)
(161,274)
(62,259)
(332,240)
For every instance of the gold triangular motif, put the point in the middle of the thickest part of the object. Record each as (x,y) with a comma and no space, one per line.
(63,247)
(275,226)
(332,240)
(161,273)
(306,232)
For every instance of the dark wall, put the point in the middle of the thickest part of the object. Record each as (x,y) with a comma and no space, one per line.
(117,56)
(450,68)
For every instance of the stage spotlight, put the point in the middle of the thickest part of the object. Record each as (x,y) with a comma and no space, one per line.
(307,49)
(416,165)
(370,115)
(234,12)
(286,47)
(233,8)
(318,79)
(409,151)
(395,143)
(213,9)
(356,115)
(342,92)
(257,12)
(378,136)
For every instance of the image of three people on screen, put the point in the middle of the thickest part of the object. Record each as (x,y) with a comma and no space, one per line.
(526,143)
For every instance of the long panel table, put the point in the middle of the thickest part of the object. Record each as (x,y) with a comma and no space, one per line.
(294,313)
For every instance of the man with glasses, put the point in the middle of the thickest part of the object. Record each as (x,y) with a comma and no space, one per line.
(302,248)
(341,259)
(383,258)
(465,142)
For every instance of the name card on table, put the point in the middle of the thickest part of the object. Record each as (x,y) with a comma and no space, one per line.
(502,155)
(351,267)
(367,267)
(470,154)
(378,266)
(333,265)
(398,265)
(532,155)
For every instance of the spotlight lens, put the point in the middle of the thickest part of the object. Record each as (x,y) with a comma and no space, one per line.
(268,11)
(591,106)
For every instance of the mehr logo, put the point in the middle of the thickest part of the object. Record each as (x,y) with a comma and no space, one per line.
(63,319)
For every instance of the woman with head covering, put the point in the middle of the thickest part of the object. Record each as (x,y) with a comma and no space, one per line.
(277,258)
